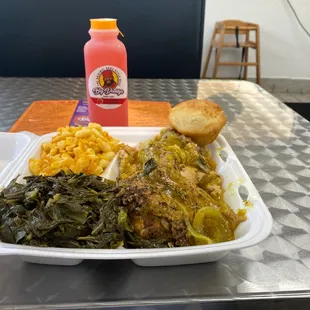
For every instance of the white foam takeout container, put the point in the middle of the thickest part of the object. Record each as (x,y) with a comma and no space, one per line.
(17,148)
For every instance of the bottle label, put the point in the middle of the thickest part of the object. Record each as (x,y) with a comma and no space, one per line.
(106,83)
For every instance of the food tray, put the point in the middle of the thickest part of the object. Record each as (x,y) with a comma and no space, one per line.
(239,193)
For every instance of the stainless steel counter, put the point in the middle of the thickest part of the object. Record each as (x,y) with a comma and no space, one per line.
(273,144)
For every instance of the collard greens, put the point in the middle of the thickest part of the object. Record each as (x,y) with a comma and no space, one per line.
(74,211)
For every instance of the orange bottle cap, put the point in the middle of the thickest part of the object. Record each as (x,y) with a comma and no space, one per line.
(104,24)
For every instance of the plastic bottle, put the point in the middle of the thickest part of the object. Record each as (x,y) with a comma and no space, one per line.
(106,74)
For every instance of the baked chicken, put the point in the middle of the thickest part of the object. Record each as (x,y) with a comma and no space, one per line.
(173,195)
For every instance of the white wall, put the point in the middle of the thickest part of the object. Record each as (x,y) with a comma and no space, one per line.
(285,47)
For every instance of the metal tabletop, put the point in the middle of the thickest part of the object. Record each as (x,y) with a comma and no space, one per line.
(273,144)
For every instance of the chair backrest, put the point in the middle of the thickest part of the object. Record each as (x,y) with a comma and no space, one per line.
(46,38)
(230,26)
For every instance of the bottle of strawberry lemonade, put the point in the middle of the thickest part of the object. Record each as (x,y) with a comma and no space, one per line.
(106,74)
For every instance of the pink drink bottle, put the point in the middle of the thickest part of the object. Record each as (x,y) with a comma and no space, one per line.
(106,74)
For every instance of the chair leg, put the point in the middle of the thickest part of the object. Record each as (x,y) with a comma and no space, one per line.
(205,70)
(258,77)
(246,58)
(218,54)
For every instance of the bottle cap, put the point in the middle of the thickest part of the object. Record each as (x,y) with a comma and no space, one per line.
(103,24)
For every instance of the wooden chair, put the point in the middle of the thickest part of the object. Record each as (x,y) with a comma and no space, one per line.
(235,27)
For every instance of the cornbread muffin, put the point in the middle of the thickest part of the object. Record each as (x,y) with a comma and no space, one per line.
(201,120)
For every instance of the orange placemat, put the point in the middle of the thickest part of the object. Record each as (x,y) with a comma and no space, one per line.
(43,117)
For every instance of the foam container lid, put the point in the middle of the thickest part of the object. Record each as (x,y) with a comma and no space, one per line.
(13,147)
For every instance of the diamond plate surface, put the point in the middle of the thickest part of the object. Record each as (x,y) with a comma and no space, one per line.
(273,144)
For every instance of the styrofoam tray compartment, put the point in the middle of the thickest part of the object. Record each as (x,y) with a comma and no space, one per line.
(12,147)
(255,229)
